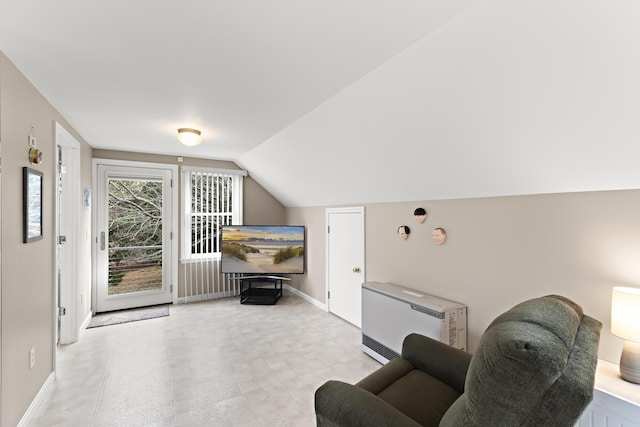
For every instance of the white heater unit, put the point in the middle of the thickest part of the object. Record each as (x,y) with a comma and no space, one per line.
(391,312)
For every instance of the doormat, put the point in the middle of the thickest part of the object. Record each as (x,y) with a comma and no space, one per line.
(125,316)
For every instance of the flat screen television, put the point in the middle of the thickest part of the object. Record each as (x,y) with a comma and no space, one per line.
(263,249)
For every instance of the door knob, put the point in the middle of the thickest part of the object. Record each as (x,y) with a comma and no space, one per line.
(356,269)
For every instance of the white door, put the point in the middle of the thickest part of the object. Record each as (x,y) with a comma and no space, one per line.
(345,262)
(67,234)
(134,228)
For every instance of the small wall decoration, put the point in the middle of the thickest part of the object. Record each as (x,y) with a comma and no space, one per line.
(35,156)
(439,235)
(404,232)
(420,214)
(86,197)
(32,204)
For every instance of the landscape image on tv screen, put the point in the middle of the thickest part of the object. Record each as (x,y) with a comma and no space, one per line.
(263,249)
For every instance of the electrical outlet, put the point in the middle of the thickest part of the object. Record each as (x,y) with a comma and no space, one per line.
(32,357)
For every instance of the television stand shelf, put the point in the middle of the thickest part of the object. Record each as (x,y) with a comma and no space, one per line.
(254,291)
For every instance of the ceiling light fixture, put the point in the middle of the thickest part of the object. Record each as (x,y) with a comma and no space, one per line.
(189,137)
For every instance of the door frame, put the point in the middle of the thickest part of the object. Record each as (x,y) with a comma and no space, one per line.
(175,201)
(68,330)
(355,209)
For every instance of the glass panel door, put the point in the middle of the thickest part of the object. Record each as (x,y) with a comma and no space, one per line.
(134,239)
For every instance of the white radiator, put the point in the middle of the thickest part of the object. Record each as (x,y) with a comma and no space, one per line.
(391,312)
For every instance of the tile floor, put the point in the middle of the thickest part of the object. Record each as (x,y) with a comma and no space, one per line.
(213,363)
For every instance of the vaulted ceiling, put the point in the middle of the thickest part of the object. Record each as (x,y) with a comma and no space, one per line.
(340,102)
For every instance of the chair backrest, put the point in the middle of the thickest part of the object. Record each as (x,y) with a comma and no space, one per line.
(534,366)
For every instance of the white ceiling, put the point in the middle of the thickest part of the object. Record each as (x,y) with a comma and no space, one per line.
(344,102)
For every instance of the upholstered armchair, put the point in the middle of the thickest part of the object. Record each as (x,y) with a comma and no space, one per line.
(534,366)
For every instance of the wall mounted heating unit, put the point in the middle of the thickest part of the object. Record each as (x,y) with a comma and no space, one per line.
(391,312)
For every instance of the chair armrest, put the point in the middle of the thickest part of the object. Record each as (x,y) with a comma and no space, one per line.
(446,363)
(386,375)
(341,404)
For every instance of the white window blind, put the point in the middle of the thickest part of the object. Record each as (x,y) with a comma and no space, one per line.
(211,198)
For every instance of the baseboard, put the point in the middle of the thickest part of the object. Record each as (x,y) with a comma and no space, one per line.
(27,418)
(305,297)
(286,288)
(205,297)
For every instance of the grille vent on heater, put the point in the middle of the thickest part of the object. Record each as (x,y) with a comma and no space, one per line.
(381,349)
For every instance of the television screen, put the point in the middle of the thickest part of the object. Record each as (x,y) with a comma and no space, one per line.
(263,249)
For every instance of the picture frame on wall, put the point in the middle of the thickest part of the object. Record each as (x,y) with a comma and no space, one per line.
(32,204)
(86,198)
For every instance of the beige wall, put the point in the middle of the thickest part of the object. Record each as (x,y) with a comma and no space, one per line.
(260,207)
(499,251)
(27,311)
(312,282)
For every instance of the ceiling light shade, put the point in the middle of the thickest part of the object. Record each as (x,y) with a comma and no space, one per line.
(189,137)
(625,323)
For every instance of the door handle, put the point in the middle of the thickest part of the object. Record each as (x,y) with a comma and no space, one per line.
(102,241)
(356,269)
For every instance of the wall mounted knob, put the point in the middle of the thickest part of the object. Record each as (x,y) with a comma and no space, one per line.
(356,269)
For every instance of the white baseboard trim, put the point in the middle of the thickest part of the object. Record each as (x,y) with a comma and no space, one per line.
(205,297)
(306,297)
(287,288)
(27,418)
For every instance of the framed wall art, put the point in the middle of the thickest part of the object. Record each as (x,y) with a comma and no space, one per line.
(86,198)
(32,204)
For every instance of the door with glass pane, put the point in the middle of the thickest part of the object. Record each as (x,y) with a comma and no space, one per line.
(134,256)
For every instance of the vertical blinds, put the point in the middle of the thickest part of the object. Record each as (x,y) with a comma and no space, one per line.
(213,198)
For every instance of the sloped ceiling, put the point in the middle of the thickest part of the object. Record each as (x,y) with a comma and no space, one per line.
(508,98)
(331,103)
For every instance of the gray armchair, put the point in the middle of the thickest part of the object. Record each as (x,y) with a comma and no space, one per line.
(534,366)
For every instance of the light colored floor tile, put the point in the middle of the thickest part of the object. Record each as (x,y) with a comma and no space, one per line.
(211,363)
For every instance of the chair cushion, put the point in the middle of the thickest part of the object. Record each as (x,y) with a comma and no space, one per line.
(420,396)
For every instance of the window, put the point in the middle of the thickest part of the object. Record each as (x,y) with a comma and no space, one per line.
(211,198)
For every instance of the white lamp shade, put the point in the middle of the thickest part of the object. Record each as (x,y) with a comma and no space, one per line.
(625,313)
(189,137)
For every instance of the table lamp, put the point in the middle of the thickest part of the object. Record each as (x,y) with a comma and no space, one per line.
(625,323)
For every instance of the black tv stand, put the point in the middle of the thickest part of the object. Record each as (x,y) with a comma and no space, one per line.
(254,291)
